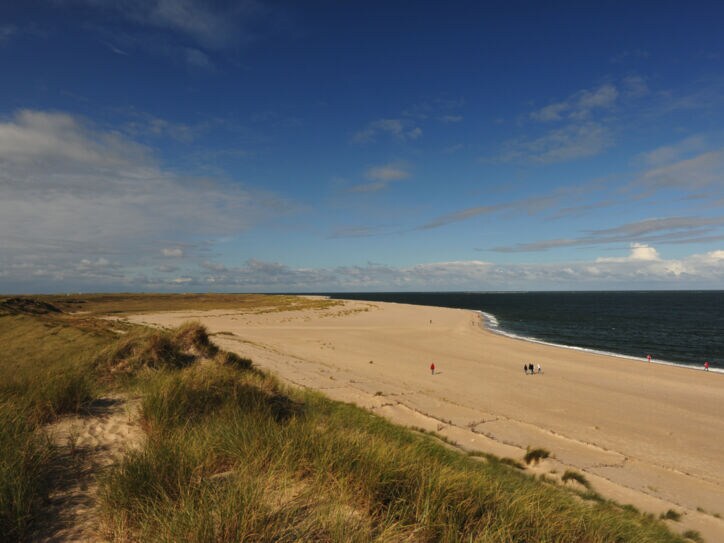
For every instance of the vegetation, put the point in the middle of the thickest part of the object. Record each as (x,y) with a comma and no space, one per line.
(535,455)
(123,304)
(671,514)
(693,535)
(234,455)
(46,369)
(570,475)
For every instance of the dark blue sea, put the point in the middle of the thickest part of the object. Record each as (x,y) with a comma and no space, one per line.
(679,327)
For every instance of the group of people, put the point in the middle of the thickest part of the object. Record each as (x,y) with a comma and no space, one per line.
(532,369)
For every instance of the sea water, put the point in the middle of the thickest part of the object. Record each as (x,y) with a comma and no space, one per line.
(676,327)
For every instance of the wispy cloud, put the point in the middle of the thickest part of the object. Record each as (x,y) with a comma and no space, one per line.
(7,32)
(381,176)
(704,170)
(630,55)
(526,205)
(210,25)
(363,231)
(399,129)
(660,230)
(667,154)
(582,125)
(571,142)
(579,105)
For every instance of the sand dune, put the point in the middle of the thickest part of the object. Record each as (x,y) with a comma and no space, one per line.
(645,434)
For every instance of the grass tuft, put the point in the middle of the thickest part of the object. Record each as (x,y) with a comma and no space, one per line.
(535,455)
(194,338)
(570,475)
(234,360)
(693,535)
(671,514)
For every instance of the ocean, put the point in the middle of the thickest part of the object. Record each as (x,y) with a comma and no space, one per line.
(676,327)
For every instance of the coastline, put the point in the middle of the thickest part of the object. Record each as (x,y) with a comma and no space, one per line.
(488,318)
(645,434)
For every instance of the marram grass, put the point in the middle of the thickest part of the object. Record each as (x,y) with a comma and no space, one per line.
(232,455)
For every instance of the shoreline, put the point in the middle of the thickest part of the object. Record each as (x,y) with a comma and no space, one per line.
(647,435)
(495,329)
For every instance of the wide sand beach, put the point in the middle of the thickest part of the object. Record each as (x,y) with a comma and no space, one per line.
(645,434)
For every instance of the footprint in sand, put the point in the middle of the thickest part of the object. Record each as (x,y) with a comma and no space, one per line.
(87,444)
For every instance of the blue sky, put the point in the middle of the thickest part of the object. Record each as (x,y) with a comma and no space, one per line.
(153,145)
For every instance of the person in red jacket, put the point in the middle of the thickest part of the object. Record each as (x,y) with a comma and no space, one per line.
(706,366)
(432,368)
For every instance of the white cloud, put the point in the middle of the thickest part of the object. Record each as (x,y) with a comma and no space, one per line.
(640,252)
(642,268)
(70,191)
(174,252)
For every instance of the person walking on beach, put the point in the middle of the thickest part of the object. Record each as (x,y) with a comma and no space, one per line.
(706,366)
(432,368)
(525,368)
(539,368)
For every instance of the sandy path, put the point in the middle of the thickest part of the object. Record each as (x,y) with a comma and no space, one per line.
(88,444)
(644,434)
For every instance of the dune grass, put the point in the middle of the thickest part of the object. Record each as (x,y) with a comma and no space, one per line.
(46,370)
(671,514)
(571,475)
(535,455)
(26,457)
(233,455)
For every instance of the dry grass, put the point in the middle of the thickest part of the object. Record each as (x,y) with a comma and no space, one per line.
(233,455)
(124,304)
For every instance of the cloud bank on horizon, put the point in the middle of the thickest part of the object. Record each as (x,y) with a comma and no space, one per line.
(251,146)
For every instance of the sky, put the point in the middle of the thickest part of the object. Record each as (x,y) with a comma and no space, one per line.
(254,146)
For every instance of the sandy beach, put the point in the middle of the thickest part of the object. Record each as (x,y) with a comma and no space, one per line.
(645,434)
